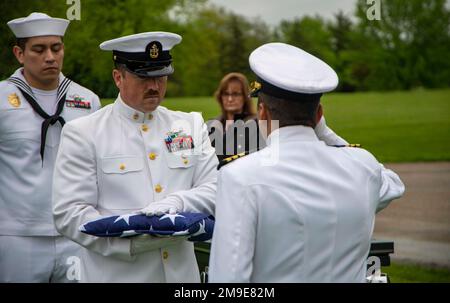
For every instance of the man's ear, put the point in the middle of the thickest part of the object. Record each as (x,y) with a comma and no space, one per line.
(319,113)
(263,114)
(117,77)
(18,53)
(263,119)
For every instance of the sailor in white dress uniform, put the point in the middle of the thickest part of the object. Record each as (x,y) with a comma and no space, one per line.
(34,104)
(307,215)
(131,156)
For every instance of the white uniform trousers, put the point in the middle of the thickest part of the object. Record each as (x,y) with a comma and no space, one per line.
(39,259)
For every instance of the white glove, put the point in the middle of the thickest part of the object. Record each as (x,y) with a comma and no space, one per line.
(324,133)
(171,205)
(143,243)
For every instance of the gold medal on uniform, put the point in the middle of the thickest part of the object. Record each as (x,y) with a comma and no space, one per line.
(14,100)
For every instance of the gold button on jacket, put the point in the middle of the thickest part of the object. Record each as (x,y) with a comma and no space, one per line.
(158,188)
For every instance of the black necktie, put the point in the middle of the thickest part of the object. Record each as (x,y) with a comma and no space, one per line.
(48,120)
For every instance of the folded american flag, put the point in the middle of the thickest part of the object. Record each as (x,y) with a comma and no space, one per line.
(196,226)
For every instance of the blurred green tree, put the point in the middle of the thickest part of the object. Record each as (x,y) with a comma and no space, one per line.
(310,34)
(407,48)
(343,45)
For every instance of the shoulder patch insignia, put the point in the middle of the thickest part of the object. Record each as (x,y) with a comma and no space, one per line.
(348,145)
(231,159)
(14,100)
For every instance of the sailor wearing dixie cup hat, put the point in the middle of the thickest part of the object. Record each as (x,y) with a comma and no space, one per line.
(309,216)
(135,156)
(35,102)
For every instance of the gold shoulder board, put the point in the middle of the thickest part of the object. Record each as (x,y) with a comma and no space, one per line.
(231,159)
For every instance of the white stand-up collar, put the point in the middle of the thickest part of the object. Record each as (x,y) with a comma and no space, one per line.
(132,114)
(292,133)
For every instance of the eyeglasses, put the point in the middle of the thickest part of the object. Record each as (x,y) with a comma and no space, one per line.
(233,95)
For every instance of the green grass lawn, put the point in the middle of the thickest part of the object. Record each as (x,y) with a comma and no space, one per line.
(406,273)
(395,126)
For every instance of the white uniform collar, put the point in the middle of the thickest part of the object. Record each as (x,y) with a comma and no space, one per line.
(19,74)
(292,133)
(132,114)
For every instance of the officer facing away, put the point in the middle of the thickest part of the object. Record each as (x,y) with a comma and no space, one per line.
(309,216)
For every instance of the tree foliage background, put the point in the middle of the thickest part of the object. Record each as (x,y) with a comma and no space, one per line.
(408,48)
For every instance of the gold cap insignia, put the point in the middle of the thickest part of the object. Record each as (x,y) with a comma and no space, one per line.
(255,86)
(154,51)
(14,100)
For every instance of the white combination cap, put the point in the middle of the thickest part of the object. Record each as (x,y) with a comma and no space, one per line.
(145,54)
(38,24)
(288,72)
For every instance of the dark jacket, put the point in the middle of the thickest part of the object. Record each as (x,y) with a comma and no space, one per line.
(242,136)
